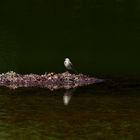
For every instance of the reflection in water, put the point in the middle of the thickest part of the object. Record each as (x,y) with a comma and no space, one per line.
(67,96)
(106,111)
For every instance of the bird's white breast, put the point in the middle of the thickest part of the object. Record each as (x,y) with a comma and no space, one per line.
(67,64)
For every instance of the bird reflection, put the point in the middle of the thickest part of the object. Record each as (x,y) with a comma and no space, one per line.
(67,96)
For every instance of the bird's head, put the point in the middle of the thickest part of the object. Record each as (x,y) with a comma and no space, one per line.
(67,59)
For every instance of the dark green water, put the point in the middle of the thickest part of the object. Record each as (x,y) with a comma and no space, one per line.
(105,111)
(101,38)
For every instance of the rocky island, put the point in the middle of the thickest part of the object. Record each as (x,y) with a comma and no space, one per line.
(51,81)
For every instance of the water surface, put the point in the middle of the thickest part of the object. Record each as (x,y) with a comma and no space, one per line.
(109,110)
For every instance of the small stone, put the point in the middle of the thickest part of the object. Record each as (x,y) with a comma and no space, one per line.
(51,81)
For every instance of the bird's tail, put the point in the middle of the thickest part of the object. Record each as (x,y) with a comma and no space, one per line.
(75,70)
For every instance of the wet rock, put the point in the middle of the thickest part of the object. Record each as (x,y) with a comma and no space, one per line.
(51,80)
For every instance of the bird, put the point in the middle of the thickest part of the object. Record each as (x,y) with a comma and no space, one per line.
(69,65)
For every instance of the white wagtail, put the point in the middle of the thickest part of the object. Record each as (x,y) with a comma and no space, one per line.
(69,65)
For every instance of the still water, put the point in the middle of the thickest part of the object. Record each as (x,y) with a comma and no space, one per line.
(109,110)
(98,36)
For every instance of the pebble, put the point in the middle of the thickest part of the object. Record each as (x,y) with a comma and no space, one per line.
(51,80)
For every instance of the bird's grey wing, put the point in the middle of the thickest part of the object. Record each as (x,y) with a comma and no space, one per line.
(71,64)
(73,68)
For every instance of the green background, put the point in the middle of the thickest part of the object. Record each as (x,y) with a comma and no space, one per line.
(99,36)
